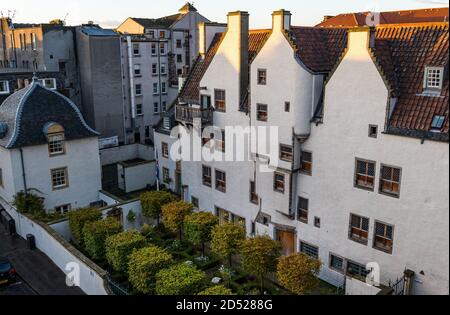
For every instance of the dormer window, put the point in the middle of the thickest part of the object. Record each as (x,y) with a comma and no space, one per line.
(55,139)
(438,123)
(434,77)
(49,83)
(4,87)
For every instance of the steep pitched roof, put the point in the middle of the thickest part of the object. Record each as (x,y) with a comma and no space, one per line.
(28,111)
(164,22)
(188,7)
(319,48)
(190,91)
(393,17)
(403,52)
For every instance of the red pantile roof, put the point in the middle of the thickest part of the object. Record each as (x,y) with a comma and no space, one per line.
(319,48)
(394,17)
(403,52)
(190,91)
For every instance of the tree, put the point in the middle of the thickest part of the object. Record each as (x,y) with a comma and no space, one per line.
(27,202)
(119,247)
(95,235)
(198,228)
(78,219)
(143,266)
(218,290)
(226,239)
(174,214)
(260,256)
(298,273)
(153,201)
(182,279)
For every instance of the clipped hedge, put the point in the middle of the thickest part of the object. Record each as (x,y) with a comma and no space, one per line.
(298,273)
(119,247)
(143,266)
(181,279)
(153,201)
(78,219)
(95,235)
(218,290)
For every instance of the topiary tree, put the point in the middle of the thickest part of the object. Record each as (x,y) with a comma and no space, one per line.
(225,240)
(174,214)
(120,246)
(198,227)
(260,256)
(218,290)
(298,273)
(95,235)
(78,219)
(143,266)
(182,279)
(152,203)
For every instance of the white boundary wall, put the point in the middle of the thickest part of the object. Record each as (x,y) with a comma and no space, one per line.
(60,252)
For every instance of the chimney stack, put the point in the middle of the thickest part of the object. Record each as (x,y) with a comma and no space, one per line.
(360,40)
(238,27)
(206,33)
(281,20)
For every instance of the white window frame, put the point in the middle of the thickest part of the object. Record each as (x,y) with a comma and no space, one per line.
(139,110)
(137,70)
(439,78)
(44,82)
(66,178)
(136,89)
(5,89)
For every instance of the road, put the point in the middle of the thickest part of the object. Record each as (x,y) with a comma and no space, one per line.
(38,274)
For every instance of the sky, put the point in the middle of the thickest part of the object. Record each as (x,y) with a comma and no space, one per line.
(110,13)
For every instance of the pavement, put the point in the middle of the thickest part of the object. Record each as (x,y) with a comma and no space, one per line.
(37,273)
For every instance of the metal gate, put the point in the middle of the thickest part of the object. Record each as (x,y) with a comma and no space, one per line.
(398,286)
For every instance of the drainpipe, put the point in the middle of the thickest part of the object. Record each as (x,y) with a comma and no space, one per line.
(159,76)
(23,172)
(122,71)
(132,87)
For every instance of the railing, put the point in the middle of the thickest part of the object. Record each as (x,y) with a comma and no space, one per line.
(116,289)
(188,114)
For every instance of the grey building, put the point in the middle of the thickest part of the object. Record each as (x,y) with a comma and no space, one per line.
(40,48)
(100,71)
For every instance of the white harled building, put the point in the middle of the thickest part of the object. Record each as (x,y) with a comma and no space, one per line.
(47,148)
(360,178)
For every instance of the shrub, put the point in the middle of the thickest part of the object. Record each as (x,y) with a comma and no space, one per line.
(95,235)
(198,228)
(120,246)
(218,290)
(181,279)
(226,239)
(260,256)
(131,217)
(77,220)
(143,266)
(153,201)
(298,273)
(29,203)
(174,214)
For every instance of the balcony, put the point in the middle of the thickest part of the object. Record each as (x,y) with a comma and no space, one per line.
(187,114)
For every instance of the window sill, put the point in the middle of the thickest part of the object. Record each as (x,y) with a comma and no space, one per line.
(371,189)
(305,173)
(303,221)
(364,242)
(387,251)
(51,155)
(388,194)
(60,188)
(224,191)
(279,191)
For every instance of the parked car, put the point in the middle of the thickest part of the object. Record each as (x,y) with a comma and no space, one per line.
(7,272)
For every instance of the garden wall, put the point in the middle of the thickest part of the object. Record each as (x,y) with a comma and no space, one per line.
(62,253)
(357,287)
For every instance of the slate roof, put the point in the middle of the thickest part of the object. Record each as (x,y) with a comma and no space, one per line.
(319,48)
(393,17)
(27,111)
(164,22)
(403,52)
(190,91)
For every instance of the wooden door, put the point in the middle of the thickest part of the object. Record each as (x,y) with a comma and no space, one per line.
(287,240)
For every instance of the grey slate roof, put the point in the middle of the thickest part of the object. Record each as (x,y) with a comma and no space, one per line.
(27,111)
(97,31)
(164,22)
